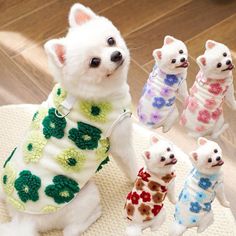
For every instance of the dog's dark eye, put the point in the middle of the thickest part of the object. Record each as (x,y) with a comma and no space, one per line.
(219,65)
(173,61)
(111,41)
(181,51)
(95,62)
(168,149)
(163,158)
(225,54)
(209,160)
(215,150)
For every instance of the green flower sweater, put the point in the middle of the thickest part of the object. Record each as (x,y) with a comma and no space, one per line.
(62,150)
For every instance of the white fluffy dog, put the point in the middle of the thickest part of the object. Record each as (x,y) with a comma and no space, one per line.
(46,181)
(144,204)
(167,80)
(203,113)
(204,183)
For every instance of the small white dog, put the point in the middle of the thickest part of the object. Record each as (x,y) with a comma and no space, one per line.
(203,113)
(46,180)
(144,204)
(202,185)
(168,78)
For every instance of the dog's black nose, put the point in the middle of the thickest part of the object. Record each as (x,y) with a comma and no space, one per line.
(218,158)
(172,156)
(116,56)
(182,59)
(228,62)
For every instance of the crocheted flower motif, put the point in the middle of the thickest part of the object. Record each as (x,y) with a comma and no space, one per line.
(170,80)
(200,128)
(158,197)
(204,116)
(53,126)
(170,102)
(165,92)
(71,159)
(63,189)
(192,104)
(168,177)
(204,183)
(207,207)
(216,114)
(193,219)
(215,88)
(144,209)
(86,136)
(210,103)
(8,179)
(200,196)
(96,112)
(139,184)
(134,198)
(38,117)
(146,197)
(9,158)
(195,207)
(130,209)
(129,195)
(183,120)
(16,204)
(144,175)
(27,186)
(154,186)
(155,117)
(104,162)
(156,209)
(49,209)
(184,196)
(102,151)
(59,95)
(34,146)
(159,102)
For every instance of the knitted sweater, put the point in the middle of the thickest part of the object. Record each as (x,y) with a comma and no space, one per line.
(196,197)
(63,149)
(203,107)
(145,200)
(158,98)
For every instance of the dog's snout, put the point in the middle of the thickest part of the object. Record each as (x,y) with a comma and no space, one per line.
(218,158)
(172,156)
(182,59)
(116,56)
(228,62)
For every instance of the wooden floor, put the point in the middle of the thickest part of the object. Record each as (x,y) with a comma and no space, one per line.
(25,25)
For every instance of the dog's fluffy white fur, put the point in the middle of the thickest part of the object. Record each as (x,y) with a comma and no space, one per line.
(207,159)
(155,165)
(69,60)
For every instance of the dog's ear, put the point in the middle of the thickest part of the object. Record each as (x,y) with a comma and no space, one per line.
(210,44)
(55,50)
(147,155)
(194,156)
(169,39)
(157,54)
(201,60)
(80,14)
(202,141)
(154,139)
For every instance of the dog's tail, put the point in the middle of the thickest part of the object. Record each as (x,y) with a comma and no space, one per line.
(133,230)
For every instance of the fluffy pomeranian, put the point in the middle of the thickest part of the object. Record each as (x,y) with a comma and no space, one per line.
(46,179)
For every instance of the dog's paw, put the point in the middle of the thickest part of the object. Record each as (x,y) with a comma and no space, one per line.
(225,204)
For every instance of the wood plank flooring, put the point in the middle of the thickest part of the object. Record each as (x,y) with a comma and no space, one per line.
(26,25)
